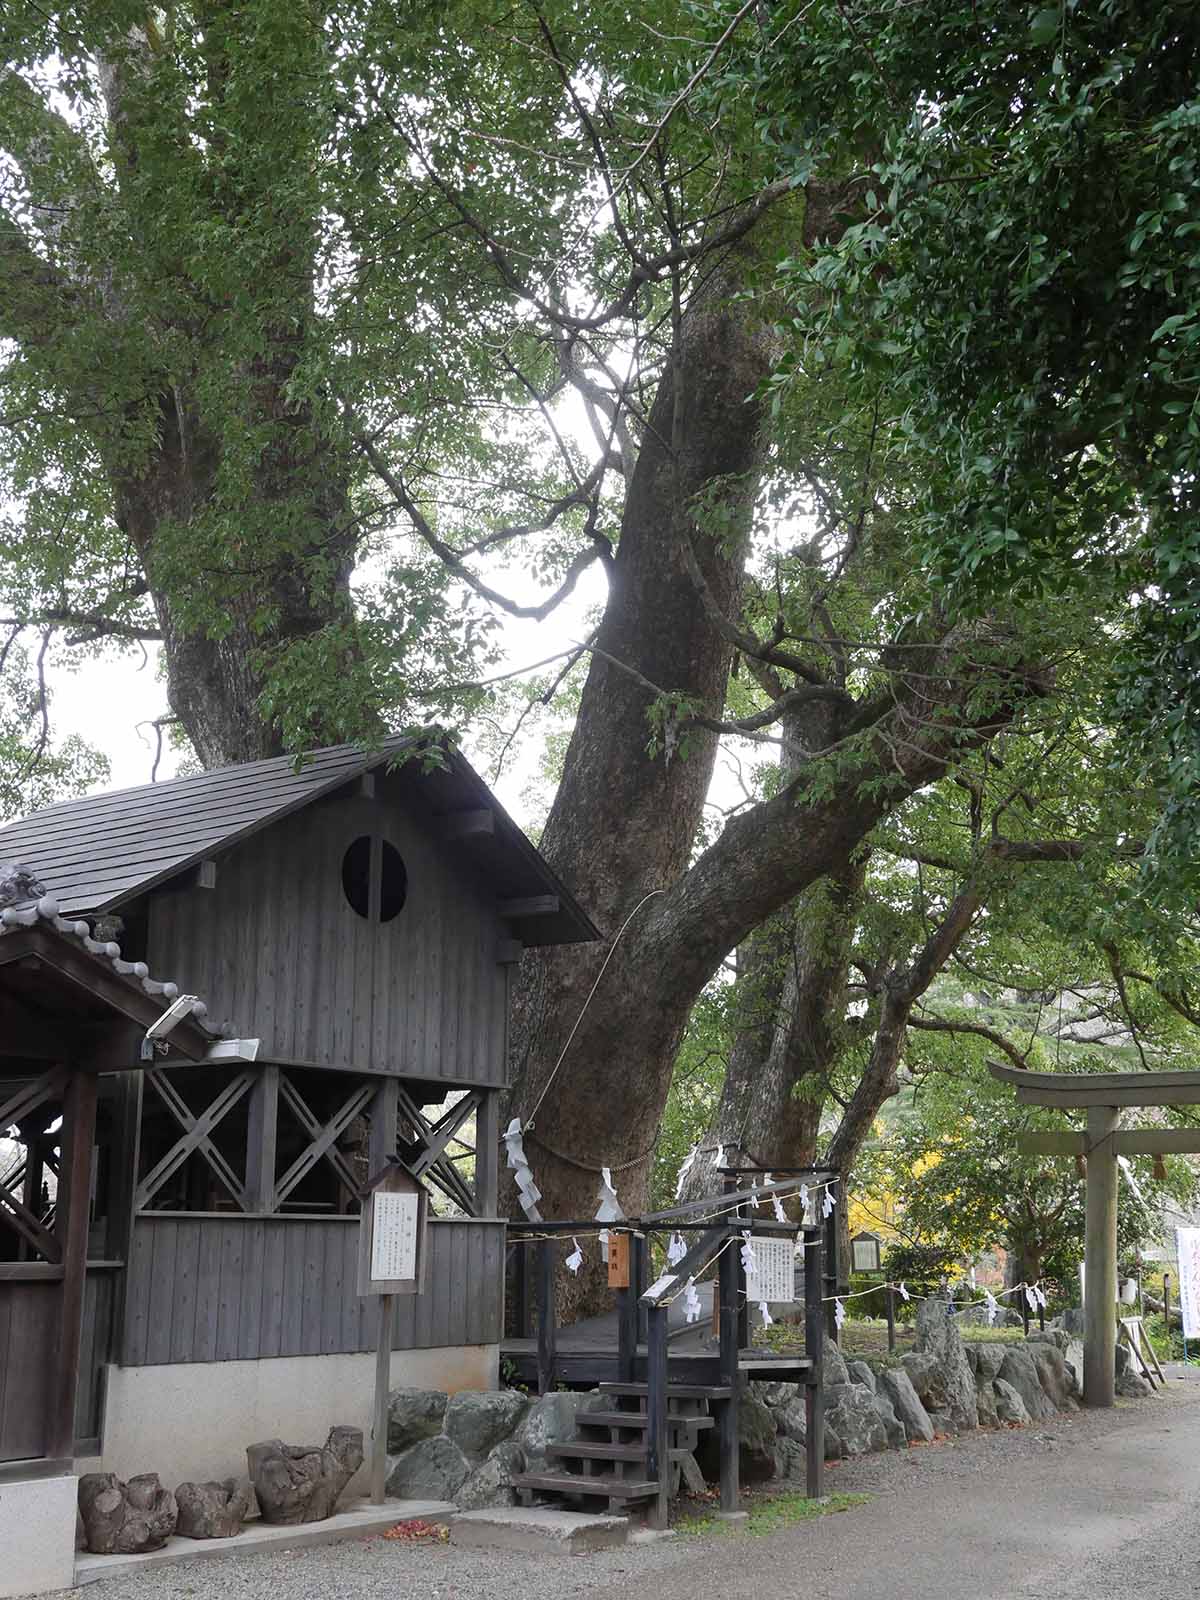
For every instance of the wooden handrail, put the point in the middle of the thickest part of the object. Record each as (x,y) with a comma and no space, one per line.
(703,1252)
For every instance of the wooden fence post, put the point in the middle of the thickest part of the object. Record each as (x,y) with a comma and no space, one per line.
(658,1455)
(728,1277)
(547,1328)
(814,1349)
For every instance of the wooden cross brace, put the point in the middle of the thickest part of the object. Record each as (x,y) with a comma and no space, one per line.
(50,1086)
(323,1136)
(428,1157)
(197,1136)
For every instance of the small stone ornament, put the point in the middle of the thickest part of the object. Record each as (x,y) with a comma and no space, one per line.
(214,1510)
(125,1519)
(302,1482)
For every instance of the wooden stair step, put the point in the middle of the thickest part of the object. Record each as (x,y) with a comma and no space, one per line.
(638,1419)
(675,1391)
(572,1483)
(773,1364)
(597,1451)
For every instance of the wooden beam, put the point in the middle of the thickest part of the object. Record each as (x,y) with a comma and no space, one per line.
(534,905)
(1135,1142)
(73,1212)
(1052,1144)
(509,952)
(1066,1090)
(261,1129)
(1159,1142)
(487,1154)
(468,825)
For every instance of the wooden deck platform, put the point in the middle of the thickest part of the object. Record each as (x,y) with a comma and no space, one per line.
(586,1352)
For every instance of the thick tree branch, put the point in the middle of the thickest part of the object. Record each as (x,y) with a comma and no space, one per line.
(939,1025)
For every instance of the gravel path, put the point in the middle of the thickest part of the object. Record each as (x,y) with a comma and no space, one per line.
(1090,1506)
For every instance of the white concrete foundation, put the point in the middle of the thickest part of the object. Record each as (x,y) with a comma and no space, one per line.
(37,1534)
(194,1421)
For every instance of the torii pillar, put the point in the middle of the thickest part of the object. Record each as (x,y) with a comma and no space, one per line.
(1103,1094)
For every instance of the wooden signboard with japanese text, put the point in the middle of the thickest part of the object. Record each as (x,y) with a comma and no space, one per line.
(618,1261)
(774,1279)
(391,1247)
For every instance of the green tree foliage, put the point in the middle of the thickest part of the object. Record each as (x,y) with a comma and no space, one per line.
(951,1162)
(1021,295)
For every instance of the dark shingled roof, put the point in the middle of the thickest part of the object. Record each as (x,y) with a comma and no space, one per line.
(97,853)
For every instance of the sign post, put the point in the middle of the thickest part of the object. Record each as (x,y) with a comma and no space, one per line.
(391,1261)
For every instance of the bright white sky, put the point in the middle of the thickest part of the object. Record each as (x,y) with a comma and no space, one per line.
(105,700)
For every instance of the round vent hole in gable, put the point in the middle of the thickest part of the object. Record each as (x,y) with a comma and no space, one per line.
(374,879)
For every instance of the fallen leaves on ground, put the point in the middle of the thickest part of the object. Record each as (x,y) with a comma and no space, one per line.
(416,1528)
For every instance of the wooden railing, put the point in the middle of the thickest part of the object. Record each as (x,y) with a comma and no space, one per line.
(643,1313)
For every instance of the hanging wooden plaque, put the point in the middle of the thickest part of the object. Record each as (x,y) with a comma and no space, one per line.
(618,1261)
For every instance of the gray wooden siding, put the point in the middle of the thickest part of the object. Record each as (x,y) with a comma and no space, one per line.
(242,1288)
(29,1316)
(28,1325)
(279,955)
(95,1350)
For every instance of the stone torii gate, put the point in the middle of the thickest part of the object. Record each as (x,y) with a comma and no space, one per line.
(1103,1095)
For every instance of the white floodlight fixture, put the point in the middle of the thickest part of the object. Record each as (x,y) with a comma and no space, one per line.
(177,1012)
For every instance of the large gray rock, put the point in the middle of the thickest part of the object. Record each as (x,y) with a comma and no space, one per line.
(1058,1337)
(852,1424)
(302,1482)
(431,1469)
(756,1438)
(414,1414)
(551,1420)
(897,1385)
(492,1483)
(477,1420)
(1018,1369)
(1056,1378)
(897,1437)
(835,1369)
(214,1510)
(1072,1322)
(756,1442)
(985,1401)
(1009,1405)
(1132,1386)
(988,1359)
(791,1421)
(860,1372)
(791,1461)
(775,1395)
(925,1375)
(953,1383)
(125,1519)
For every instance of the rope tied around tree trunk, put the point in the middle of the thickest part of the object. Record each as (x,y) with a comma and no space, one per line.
(587,1166)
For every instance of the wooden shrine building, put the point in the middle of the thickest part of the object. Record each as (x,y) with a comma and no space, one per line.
(178,1216)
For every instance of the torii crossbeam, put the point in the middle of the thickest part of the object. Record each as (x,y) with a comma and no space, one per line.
(1103,1095)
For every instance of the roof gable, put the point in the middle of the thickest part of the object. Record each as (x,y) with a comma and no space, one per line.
(97,853)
